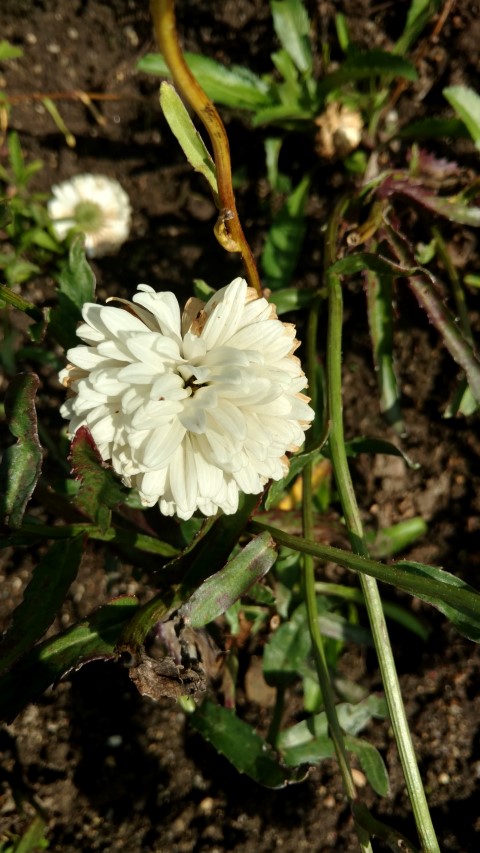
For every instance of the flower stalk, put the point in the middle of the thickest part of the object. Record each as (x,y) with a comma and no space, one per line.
(228,229)
(355,531)
(309,593)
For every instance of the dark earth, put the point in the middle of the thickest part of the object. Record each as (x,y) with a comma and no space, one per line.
(110,769)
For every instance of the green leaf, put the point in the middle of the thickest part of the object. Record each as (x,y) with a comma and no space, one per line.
(235,87)
(246,750)
(363,261)
(207,553)
(202,290)
(433,128)
(392,611)
(19,270)
(453,338)
(309,741)
(32,531)
(390,540)
(292,27)
(285,238)
(287,649)
(92,638)
(42,599)
(286,115)
(361,444)
(21,464)
(100,490)
(185,132)
(419,15)
(9,51)
(16,158)
(222,589)
(76,286)
(466,104)
(39,237)
(297,464)
(456,599)
(310,752)
(290,299)
(371,763)
(464,613)
(379,292)
(365,64)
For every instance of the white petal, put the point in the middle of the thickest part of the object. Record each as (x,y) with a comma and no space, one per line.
(166,310)
(161,444)
(224,312)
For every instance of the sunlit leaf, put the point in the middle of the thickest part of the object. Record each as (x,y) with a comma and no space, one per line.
(92,638)
(246,750)
(76,286)
(234,86)
(187,135)
(21,464)
(419,15)
(466,103)
(292,27)
(42,599)
(9,51)
(222,589)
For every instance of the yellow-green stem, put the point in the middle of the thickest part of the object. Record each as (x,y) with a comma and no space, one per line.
(308,586)
(228,229)
(355,531)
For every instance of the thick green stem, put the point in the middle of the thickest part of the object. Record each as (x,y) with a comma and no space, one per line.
(308,585)
(355,531)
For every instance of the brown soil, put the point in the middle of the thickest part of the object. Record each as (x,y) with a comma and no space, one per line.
(113,770)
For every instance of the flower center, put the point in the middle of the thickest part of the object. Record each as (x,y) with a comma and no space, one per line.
(88,216)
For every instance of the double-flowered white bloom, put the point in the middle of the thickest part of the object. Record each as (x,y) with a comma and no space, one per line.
(192,409)
(95,205)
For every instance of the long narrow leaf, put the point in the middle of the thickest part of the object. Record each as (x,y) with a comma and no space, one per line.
(379,291)
(456,599)
(419,14)
(246,750)
(223,588)
(21,464)
(187,135)
(443,320)
(285,238)
(95,637)
(235,87)
(42,599)
(466,103)
(364,65)
(292,27)
(76,286)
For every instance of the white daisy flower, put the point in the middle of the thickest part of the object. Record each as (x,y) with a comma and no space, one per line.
(190,410)
(95,205)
